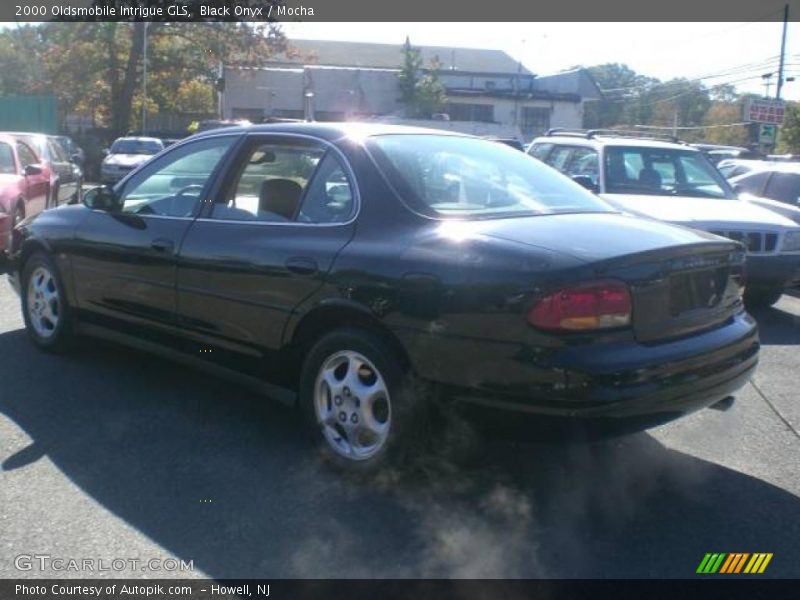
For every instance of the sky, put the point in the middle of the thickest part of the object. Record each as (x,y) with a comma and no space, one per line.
(737,53)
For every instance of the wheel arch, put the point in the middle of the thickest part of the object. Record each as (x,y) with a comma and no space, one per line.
(330,316)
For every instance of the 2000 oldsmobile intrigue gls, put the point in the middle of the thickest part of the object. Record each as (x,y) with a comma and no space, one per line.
(333,264)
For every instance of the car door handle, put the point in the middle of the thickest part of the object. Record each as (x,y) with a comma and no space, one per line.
(301,265)
(162,245)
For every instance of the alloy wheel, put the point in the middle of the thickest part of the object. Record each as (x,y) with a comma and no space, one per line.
(44,304)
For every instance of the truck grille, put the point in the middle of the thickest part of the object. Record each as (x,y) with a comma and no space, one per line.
(754,241)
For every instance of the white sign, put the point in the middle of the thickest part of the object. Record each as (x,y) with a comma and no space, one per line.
(764,110)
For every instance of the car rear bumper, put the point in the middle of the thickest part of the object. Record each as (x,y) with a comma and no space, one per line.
(637,383)
(773,271)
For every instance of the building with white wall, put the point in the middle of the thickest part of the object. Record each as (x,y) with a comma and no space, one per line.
(353,80)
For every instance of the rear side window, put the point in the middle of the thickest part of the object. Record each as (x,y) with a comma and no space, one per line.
(7,164)
(784,187)
(540,151)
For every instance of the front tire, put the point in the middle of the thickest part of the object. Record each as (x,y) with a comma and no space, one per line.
(44,304)
(351,397)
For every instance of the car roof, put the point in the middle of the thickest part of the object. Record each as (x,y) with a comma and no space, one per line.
(777,167)
(330,131)
(597,141)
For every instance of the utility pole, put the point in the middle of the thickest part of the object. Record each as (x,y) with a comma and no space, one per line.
(144,79)
(783,51)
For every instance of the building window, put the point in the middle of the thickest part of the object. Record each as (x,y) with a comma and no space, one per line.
(535,120)
(483,113)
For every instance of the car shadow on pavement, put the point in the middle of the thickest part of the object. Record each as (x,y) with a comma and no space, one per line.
(777,326)
(226,479)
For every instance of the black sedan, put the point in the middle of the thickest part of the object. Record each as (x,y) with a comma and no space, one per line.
(336,266)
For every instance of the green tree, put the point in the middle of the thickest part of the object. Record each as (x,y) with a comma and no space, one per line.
(421,90)
(789,132)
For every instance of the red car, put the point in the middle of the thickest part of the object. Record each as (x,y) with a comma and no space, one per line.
(23,185)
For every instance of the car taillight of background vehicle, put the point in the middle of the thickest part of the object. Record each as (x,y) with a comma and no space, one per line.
(585,307)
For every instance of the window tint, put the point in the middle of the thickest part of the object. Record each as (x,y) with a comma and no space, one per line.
(453,176)
(270,182)
(26,155)
(784,187)
(7,163)
(173,184)
(663,172)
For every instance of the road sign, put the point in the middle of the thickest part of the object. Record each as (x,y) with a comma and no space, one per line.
(766,134)
(764,110)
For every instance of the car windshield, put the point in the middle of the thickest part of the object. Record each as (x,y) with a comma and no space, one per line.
(460,177)
(131,146)
(662,172)
(7,165)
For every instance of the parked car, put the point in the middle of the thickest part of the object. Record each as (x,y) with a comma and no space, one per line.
(338,266)
(65,177)
(775,186)
(75,152)
(511,142)
(716,152)
(127,153)
(23,186)
(676,183)
(733,167)
(776,181)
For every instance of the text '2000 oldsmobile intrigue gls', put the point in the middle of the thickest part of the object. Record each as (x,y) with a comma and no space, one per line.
(333,264)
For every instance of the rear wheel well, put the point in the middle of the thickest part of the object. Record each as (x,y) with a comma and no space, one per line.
(324,320)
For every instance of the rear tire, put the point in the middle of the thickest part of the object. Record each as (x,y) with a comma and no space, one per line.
(44,304)
(19,215)
(352,398)
(762,298)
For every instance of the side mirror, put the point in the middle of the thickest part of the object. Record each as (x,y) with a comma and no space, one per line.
(32,170)
(586,181)
(106,151)
(75,157)
(100,198)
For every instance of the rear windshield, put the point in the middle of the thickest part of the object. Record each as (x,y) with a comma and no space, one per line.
(136,147)
(459,177)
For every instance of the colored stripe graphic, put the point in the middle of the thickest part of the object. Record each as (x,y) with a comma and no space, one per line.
(711,563)
(723,563)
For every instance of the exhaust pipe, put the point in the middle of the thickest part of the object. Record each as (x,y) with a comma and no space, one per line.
(724,404)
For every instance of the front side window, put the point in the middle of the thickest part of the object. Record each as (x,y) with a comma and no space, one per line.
(287,181)
(26,155)
(752,183)
(173,184)
(662,172)
(461,177)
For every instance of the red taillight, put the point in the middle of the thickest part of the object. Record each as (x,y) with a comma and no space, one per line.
(598,305)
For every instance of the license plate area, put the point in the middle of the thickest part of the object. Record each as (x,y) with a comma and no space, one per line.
(694,290)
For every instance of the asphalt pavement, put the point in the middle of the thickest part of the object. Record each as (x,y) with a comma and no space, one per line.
(108,453)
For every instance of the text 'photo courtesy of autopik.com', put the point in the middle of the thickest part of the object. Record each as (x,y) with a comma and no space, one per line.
(315,299)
